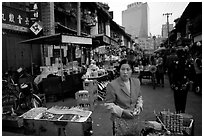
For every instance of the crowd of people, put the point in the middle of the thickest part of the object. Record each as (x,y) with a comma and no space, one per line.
(167,61)
(124,97)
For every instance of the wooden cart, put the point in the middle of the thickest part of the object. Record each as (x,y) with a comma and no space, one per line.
(150,74)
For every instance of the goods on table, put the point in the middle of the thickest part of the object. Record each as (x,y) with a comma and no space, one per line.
(101,72)
(152,132)
(32,113)
(50,116)
(58,113)
(59,120)
(173,124)
(70,117)
(93,72)
(73,110)
(177,123)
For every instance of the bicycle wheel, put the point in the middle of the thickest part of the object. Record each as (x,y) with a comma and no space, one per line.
(9,102)
(29,101)
(36,101)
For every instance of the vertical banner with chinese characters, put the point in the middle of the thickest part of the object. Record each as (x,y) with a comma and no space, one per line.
(34,13)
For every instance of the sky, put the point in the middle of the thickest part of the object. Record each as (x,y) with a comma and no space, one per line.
(156,11)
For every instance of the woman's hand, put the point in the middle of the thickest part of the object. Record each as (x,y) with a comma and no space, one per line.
(127,114)
(137,111)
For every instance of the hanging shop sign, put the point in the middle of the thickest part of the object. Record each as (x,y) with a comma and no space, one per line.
(197,38)
(34,12)
(36,28)
(114,43)
(106,39)
(76,40)
(101,40)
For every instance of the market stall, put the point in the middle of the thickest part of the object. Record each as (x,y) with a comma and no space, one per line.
(57,120)
(100,76)
(169,124)
(62,40)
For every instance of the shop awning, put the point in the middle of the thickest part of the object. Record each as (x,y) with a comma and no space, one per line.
(69,30)
(100,40)
(57,39)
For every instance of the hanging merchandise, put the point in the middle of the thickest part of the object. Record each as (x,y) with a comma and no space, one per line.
(78,52)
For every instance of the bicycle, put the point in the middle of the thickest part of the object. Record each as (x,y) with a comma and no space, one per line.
(17,98)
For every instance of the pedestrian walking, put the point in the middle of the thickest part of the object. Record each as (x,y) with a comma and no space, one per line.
(160,71)
(180,82)
(124,99)
(170,65)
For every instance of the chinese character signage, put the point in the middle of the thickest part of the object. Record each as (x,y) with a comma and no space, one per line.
(34,12)
(36,28)
(19,20)
(15,17)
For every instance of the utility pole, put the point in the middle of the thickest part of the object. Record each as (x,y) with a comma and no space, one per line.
(154,38)
(78,18)
(79,26)
(167,15)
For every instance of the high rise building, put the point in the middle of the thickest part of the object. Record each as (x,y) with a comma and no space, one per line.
(135,19)
(165,30)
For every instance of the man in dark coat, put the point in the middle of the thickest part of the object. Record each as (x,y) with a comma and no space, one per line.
(169,64)
(180,83)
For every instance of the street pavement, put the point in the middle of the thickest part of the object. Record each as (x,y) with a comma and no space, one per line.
(154,100)
(158,99)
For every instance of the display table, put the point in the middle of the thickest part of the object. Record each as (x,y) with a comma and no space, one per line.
(57,121)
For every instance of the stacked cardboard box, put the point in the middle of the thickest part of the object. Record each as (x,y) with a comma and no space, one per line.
(87,98)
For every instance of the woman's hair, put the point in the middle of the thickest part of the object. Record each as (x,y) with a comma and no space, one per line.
(125,61)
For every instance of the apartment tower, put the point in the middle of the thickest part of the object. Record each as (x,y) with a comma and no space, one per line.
(135,19)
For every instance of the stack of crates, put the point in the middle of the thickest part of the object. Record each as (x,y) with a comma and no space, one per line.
(92,87)
(84,100)
(87,98)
